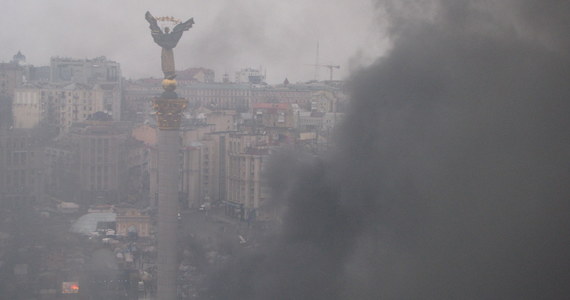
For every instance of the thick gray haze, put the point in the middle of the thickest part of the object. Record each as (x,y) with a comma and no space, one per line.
(450,179)
(228,35)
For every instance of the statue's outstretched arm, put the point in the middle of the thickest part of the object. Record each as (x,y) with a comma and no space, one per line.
(183,26)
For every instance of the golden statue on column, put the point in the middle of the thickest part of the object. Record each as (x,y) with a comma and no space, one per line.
(168,107)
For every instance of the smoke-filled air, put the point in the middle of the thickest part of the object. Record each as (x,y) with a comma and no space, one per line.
(449,178)
(260,150)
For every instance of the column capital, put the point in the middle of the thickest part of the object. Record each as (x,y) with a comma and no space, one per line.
(169,112)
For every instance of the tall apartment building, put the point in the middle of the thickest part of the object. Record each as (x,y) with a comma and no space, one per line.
(28,109)
(57,105)
(225,167)
(138,158)
(97,71)
(246,194)
(205,168)
(201,156)
(191,175)
(218,142)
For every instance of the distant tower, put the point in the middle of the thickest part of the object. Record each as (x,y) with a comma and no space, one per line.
(19,58)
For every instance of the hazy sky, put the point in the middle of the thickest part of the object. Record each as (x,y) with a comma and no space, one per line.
(227,35)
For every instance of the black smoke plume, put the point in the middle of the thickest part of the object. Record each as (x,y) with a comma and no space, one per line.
(450,175)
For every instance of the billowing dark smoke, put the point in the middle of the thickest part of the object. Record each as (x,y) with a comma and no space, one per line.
(450,178)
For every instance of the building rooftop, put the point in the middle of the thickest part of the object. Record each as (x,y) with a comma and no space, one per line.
(282,106)
(88,223)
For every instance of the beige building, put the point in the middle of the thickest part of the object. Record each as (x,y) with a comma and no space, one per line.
(246,192)
(218,96)
(77,102)
(195,173)
(59,106)
(28,108)
(204,169)
(274,115)
(325,101)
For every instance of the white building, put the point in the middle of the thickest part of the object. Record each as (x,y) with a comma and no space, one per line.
(249,75)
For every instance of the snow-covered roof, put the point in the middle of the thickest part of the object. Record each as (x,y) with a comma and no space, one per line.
(88,223)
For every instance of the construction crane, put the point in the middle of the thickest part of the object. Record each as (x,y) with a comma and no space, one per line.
(330,67)
(317,65)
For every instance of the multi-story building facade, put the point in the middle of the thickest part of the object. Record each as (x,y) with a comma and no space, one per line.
(98,71)
(193,75)
(274,114)
(20,167)
(138,158)
(326,100)
(102,157)
(196,165)
(213,166)
(10,79)
(56,105)
(249,75)
(247,155)
(61,170)
(225,146)
(28,108)
(218,96)
(298,94)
